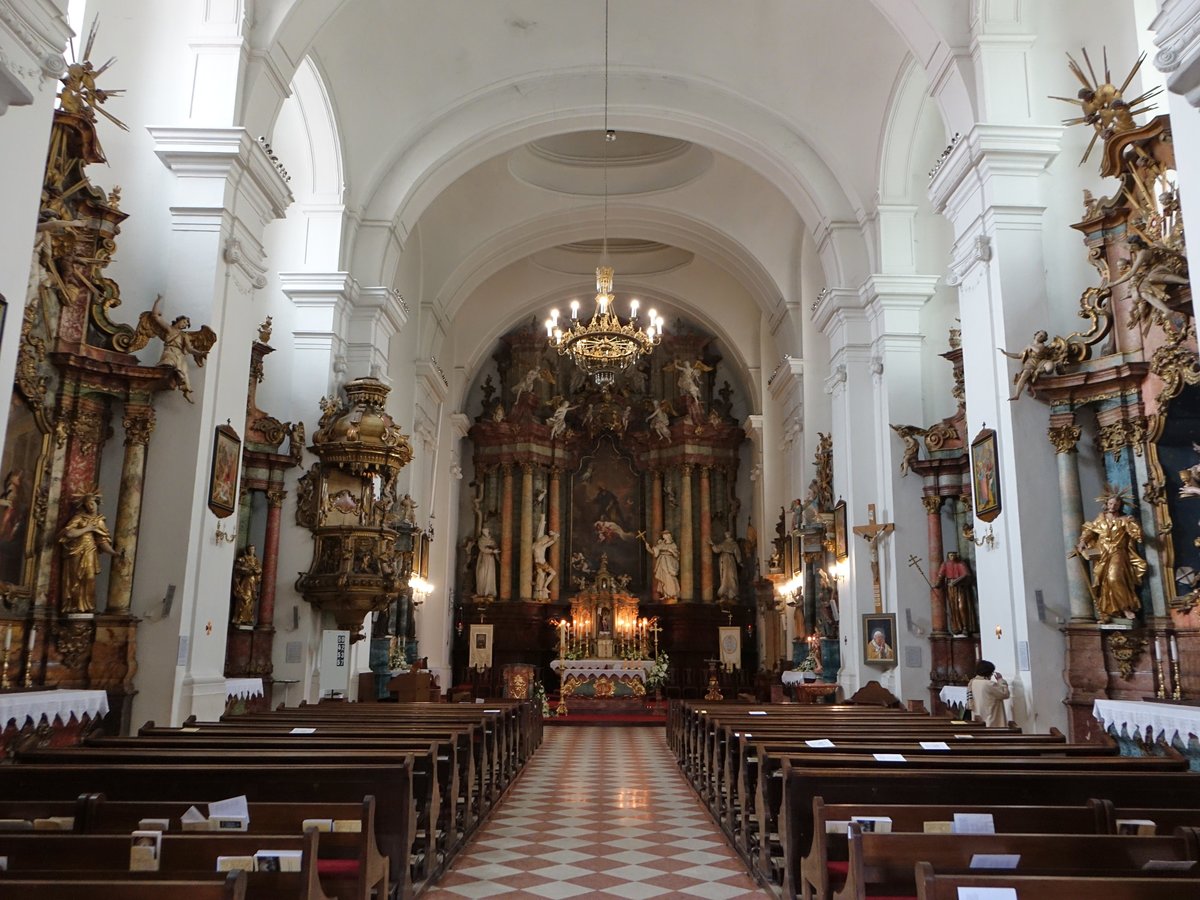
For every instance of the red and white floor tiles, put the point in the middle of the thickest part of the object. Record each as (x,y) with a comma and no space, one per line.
(599,812)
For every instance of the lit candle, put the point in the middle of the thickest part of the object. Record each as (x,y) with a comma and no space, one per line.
(8,637)
(574,309)
(1174,649)
(549,328)
(633,309)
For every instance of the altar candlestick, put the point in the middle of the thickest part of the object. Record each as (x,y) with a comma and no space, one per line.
(29,657)
(1175,692)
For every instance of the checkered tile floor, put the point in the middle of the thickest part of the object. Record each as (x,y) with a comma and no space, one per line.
(599,811)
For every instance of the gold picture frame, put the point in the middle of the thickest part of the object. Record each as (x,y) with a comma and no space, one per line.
(223,474)
(985,476)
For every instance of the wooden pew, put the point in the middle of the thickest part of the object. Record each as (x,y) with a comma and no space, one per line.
(349,861)
(944,787)
(884,862)
(390,784)
(230,886)
(94,859)
(826,864)
(422,795)
(932,886)
(1165,820)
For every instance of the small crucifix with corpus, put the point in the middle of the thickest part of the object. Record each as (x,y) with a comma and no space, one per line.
(872,533)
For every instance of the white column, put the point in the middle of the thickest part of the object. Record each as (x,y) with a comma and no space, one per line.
(893,304)
(321,304)
(30,62)
(989,188)
(850,384)
(786,387)
(1177,34)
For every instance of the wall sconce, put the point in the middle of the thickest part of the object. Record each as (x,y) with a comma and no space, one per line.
(989,539)
(222,536)
(839,570)
(791,591)
(421,589)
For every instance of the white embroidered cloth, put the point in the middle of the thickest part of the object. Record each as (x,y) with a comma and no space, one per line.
(1131,715)
(594,668)
(795,676)
(245,688)
(953,694)
(52,704)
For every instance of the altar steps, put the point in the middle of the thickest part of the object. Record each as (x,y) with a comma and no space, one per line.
(651,715)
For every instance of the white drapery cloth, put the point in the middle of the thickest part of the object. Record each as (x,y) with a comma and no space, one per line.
(1166,721)
(51,704)
(953,695)
(594,668)
(243,688)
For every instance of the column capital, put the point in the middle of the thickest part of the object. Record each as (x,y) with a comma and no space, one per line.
(275,498)
(31,48)
(1014,152)
(787,378)
(932,503)
(1177,34)
(1065,438)
(139,424)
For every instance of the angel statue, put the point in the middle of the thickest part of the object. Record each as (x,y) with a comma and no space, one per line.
(558,421)
(178,343)
(659,423)
(909,434)
(689,376)
(1038,359)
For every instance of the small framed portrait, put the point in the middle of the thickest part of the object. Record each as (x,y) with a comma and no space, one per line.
(223,478)
(840,548)
(985,475)
(879,639)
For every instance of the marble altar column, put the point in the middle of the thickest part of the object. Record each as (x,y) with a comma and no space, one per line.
(937,600)
(687,548)
(139,424)
(506,531)
(555,515)
(526,549)
(1065,438)
(706,555)
(270,558)
(656,517)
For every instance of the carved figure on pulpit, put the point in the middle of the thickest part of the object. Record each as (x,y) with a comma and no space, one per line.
(83,539)
(408,510)
(485,565)
(247,580)
(1110,541)
(729,557)
(956,577)
(666,566)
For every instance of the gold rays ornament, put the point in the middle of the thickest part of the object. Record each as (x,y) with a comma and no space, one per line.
(1102,103)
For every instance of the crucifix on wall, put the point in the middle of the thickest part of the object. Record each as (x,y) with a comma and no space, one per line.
(873,532)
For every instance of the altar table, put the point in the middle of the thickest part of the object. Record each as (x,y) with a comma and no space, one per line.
(954,696)
(49,718)
(1166,721)
(602,683)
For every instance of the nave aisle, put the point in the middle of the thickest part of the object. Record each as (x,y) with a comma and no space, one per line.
(599,811)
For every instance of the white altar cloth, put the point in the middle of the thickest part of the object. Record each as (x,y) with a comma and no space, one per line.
(594,668)
(1166,720)
(53,704)
(795,676)
(245,688)
(954,695)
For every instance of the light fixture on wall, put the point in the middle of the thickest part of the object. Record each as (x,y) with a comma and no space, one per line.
(421,589)
(604,346)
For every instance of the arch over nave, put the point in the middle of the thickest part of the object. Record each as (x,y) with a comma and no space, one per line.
(810,240)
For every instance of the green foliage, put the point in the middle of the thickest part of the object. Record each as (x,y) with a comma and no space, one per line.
(657,676)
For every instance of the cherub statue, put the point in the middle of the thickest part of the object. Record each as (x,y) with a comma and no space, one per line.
(178,343)
(296,441)
(558,421)
(529,379)
(1042,357)
(659,423)
(912,448)
(1152,269)
(689,376)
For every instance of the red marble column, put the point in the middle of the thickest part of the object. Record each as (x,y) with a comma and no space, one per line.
(937,601)
(706,556)
(270,565)
(506,531)
(139,424)
(656,518)
(555,525)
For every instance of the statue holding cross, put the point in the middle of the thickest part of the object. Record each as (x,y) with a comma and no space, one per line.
(873,532)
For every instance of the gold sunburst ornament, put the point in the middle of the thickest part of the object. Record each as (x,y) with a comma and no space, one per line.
(1103,104)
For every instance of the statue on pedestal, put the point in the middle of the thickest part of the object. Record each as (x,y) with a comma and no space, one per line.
(666,566)
(1110,541)
(84,538)
(247,580)
(956,575)
(729,557)
(485,566)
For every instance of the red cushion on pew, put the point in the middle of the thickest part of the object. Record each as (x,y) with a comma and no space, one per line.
(838,871)
(336,867)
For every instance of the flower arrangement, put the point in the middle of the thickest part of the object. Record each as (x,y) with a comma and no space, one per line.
(539,697)
(657,676)
(397,662)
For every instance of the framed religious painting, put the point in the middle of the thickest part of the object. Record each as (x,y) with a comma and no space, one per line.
(840,548)
(223,477)
(879,639)
(985,476)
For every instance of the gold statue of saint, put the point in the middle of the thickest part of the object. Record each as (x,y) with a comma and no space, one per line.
(247,579)
(84,538)
(1110,541)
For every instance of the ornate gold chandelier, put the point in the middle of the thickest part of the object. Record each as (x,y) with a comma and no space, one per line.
(604,346)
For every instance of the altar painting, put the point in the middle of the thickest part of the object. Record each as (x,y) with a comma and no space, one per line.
(606,514)
(19,470)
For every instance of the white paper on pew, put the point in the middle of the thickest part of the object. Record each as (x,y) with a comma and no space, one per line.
(934,745)
(987,893)
(974,823)
(756,712)
(995,860)
(233,808)
(1168,865)
(193,816)
(837,826)
(303,731)
(493,711)
(965,737)
(820,742)
(890,757)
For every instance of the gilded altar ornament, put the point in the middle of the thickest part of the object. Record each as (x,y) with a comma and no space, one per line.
(83,539)
(178,343)
(1125,649)
(79,95)
(1110,542)
(1102,104)
(247,582)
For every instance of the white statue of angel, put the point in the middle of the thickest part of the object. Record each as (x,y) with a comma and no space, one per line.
(558,421)
(178,343)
